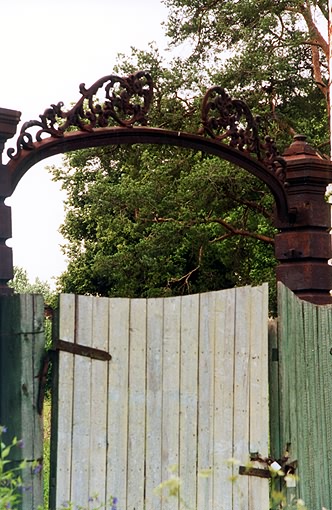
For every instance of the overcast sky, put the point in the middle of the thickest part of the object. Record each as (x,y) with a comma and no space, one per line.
(48,48)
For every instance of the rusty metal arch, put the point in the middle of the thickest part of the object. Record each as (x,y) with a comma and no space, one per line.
(228,123)
(146,135)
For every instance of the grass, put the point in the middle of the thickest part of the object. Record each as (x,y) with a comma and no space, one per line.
(46,452)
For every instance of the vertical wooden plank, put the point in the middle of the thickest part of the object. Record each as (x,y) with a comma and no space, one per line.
(171,386)
(274,404)
(307,439)
(62,407)
(290,328)
(137,396)
(276,446)
(325,374)
(80,484)
(33,348)
(21,352)
(154,396)
(206,398)
(223,469)
(241,393)
(119,309)
(189,399)
(258,391)
(314,482)
(286,362)
(98,405)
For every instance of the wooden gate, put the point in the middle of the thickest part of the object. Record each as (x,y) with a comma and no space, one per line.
(182,401)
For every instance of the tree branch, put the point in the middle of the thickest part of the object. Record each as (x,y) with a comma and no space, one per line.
(185,278)
(239,232)
(232,230)
(252,205)
(318,76)
(313,28)
(316,42)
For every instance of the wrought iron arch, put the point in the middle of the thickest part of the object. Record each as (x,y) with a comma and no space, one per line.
(228,131)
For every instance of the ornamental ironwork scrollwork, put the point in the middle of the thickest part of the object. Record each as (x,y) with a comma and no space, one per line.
(126,103)
(231,121)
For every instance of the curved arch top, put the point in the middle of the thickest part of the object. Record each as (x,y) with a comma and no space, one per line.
(99,137)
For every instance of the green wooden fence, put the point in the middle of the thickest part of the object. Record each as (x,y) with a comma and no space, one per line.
(304,377)
(21,351)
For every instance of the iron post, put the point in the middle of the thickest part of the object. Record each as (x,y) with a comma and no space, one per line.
(9,120)
(303,246)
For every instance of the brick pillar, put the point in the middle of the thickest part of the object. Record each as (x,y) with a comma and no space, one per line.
(8,124)
(303,246)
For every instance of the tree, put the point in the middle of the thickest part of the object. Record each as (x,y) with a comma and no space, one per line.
(157,221)
(22,285)
(273,52)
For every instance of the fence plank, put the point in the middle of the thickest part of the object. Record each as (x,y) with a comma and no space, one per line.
(98,402)
(81,405)
(170,386)
(289,326)
(22,348)
(206,398)
(274,404)
(224,387)
(136,404)
(241,393)
(258,391)
(325,374)
(154,360)
(306,389)
(62,408)
(188,399)
(117,428)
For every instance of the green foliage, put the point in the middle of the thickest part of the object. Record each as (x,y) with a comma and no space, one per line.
(272,54)
(10,480)
(93,504)
(46,449)
(12,486)
(21,285)
(171,489)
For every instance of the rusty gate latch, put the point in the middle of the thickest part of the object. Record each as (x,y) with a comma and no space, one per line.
(271,467)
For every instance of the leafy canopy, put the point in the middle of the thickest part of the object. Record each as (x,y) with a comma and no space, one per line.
(22,285)
(274,53)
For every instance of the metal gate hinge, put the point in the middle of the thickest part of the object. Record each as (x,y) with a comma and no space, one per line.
(283,466)
(81,350)
(62,345)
